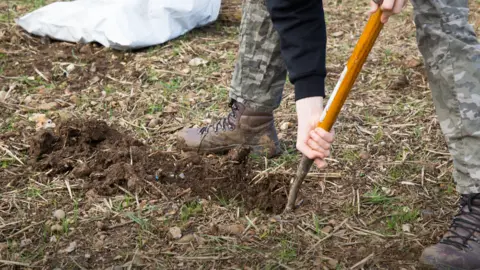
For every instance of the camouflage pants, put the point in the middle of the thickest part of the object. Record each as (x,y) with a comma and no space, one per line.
(452,58)
(451,53)
(260,73)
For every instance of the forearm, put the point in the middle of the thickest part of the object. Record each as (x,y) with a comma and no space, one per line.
(301,27)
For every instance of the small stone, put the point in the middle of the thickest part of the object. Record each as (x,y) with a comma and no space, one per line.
(175,232)
(182,176)
(235,229)
(185,70)
(3,246)
(332,263)
(285,125)
(3,95)
(427,214)
(101,225)
(70,68)
(25,242)
(98,245)
(197,62)
(186,239)
(53,239)
(153,123)
(28,100)
(59,214)
(327,229)
(93,103)
(337,34)
(364,155)
(87,256)
(71,247)
(56,228)
(406,227)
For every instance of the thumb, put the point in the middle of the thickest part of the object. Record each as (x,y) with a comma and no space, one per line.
(373,8)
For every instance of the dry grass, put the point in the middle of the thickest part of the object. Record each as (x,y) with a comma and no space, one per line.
(387,193)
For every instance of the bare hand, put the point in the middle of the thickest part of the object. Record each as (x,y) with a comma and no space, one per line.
(313,142)
(389,7)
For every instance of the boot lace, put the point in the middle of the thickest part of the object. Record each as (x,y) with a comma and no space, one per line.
(225,123)
(469,225)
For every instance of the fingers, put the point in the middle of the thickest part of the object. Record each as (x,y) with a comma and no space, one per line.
(390,7)
(317,146)
(321,164)
(373,8)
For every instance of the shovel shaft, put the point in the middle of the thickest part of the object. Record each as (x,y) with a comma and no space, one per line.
(340,93)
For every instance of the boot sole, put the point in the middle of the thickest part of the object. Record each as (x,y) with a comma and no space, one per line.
(435,265)
(256,149)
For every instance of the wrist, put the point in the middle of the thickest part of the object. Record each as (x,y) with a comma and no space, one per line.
(309,110)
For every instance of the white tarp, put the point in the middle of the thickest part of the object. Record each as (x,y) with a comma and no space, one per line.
(120,24)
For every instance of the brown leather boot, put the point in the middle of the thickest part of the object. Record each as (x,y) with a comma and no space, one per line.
(460,246)
(242,127)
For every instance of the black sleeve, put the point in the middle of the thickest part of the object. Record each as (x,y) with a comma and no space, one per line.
(301,27)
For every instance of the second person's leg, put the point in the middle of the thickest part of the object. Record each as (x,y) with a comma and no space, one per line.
(452,58)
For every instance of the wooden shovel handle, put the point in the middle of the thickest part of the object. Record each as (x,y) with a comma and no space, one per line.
(340,93)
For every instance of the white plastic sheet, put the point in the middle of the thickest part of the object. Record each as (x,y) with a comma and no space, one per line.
(120,24)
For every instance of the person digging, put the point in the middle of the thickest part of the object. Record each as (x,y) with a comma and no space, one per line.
(280,36)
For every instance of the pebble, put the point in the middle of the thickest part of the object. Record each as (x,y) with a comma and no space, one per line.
(3,246)
(56,228)
(175,232)
(187,239)
(70,67)
(364,155)
(285,125)
(427,214)
(87,256)
(59,214)
(406,227)
(28,100)
(3,95)
(153,123)
(327,229)
(197,62)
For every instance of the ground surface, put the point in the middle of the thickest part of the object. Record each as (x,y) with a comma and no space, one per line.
(108,189)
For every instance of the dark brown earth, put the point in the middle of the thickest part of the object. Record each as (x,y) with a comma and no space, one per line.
(107,159)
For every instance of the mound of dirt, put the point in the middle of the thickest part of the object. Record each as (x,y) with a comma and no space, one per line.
(108,159)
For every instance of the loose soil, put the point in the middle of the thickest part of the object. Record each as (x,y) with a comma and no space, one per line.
(108,159)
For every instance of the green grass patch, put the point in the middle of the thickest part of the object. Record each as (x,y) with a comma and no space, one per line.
(189,210)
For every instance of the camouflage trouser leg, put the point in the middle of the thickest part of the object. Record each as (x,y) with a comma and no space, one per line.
(260,73)
(452,57)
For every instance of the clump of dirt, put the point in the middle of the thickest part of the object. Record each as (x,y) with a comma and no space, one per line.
(109,159)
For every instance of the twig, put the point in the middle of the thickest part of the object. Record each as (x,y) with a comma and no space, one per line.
(69,189)
(362,262)
(156,188)
(8,224)
(41,74)
(328,236)
(203,258)
(369,232)
(24,229)
(11,154)
(133,258)
(14,263)
(79,266)
(120,225)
